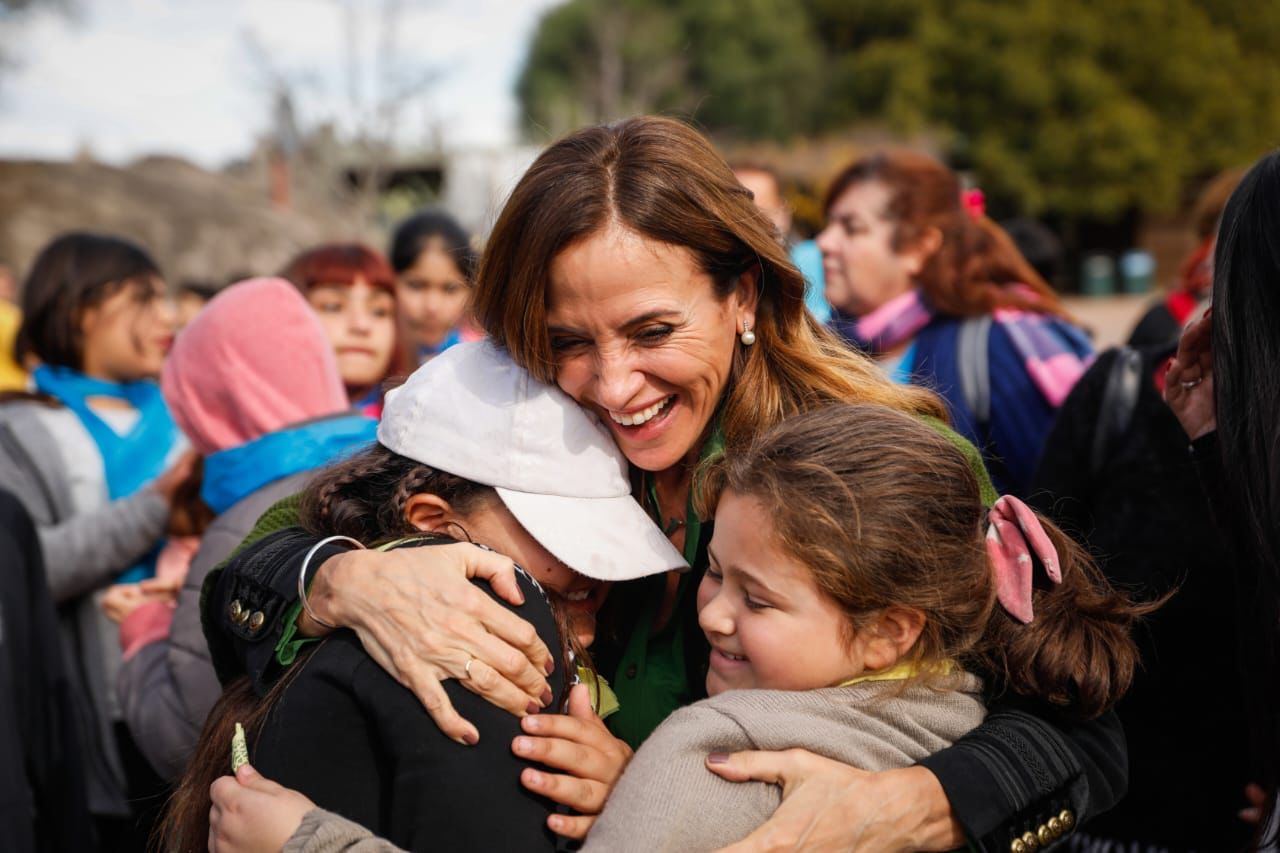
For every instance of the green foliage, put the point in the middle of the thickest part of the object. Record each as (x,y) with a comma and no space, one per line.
(746,67)
(1083,107)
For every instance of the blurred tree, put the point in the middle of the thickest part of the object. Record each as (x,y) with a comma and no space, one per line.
(747,67)
(1083,107)
(1087,108)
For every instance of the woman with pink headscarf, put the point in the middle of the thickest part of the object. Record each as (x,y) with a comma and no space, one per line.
(254,384)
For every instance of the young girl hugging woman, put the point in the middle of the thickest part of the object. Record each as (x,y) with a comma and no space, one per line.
(353,291)
(858,596)
(510,464)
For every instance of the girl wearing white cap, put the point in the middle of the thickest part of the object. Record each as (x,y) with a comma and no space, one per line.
(632,269)
(343,731)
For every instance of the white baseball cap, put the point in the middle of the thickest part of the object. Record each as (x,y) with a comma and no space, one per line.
(475,413)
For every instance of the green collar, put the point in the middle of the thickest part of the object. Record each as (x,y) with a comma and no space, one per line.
(712,448)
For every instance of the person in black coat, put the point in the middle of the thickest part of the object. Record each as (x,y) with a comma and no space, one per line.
(43,805)
(1116,475)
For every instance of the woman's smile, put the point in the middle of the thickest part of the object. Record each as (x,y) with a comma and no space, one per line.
(641,337)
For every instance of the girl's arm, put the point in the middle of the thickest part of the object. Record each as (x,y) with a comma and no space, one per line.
(85,551)
(1019,769)
(667,799)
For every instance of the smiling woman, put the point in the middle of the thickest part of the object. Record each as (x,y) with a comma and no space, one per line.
(632,269)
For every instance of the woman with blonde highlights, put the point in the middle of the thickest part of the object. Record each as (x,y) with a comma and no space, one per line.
(632,269)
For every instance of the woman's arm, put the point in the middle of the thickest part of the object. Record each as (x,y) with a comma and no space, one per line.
(1012,775)
(415,611)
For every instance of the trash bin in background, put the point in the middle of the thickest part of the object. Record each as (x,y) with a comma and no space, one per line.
(1098,275)
(1137,271)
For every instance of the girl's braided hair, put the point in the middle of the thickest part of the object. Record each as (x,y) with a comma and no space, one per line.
(364,495)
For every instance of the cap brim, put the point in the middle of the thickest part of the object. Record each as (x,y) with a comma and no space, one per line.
(606,539)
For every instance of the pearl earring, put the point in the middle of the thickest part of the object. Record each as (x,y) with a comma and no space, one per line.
(748,337)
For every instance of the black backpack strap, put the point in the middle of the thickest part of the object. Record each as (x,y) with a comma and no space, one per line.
(974,364)
(1119,400)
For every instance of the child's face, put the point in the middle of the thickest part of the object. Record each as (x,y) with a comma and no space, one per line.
(768,623)
(579,596)
(360,321)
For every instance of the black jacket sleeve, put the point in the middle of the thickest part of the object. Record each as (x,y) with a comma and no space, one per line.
(1021,768)
(43,804)
(244,603)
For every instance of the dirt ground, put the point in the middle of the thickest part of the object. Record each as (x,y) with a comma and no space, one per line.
(1109,318)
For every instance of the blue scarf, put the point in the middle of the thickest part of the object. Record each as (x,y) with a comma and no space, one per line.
(232,474)
(132,460)
(426,353)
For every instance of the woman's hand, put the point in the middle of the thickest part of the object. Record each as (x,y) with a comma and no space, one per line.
(580,744)
(251,813)
(1188,385)
(418,615)
(827,805)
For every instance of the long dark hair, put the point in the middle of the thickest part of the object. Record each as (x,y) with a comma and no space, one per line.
(75,271)
(885,511)
(417,233)
(362,497)
(1246,356)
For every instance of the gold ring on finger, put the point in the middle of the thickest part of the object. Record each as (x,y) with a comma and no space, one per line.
(467,668)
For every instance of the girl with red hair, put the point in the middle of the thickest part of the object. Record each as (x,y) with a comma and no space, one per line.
(353,291)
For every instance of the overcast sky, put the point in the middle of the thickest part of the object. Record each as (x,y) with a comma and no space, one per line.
(132,77)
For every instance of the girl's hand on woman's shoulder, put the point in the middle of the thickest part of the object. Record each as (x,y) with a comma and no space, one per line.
(580,744)
(418,615)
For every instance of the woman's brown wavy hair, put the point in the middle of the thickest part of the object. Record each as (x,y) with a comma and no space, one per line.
(976,265)
(663,180)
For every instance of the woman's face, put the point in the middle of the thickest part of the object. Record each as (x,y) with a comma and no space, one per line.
(861,268)
(641,339)
(769,625)
(128,334)
(360,321)
(432,296)
(579,597)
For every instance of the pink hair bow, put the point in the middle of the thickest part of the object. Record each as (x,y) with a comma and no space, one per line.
(1013,526)
(974,203)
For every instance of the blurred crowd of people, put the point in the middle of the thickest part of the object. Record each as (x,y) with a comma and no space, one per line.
(147,432)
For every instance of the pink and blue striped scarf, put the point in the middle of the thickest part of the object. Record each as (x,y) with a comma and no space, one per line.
(1056,354)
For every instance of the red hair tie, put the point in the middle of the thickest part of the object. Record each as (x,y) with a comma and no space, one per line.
(974,203)
(1014,533)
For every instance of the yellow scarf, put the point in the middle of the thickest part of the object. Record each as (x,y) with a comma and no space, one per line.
(903,670)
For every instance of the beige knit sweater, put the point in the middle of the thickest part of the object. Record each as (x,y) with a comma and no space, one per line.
(668,801)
